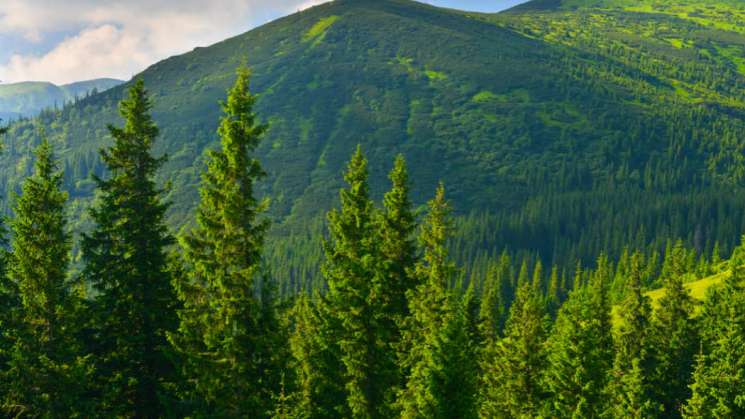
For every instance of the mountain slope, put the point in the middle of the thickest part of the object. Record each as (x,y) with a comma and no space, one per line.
(29,98)
(544,124)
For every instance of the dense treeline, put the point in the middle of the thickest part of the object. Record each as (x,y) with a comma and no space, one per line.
(161,326)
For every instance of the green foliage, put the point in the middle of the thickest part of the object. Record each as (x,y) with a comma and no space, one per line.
(319,385)
(227,334)
(440,359)
(125,261)
(27,99)
(674,338)
(545,162)
(718,382)
(580,351)
(356,301)
(46,376)
(629,388)
(514,366)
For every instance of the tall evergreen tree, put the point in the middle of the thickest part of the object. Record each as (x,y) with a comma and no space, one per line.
(491,308)
(441,362)
(719,378)
(353,304)
(9,299)
(228,332)
(125,260)
(674,339)
(397,262)
(629,387)
(512,368)
(320,392)
(46,373)
(581,350)
(398,246)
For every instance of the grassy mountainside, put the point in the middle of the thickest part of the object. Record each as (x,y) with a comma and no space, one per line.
(29,98)
(545,121)
(698,289)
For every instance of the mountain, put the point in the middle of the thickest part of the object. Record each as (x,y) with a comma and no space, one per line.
(561,128)
(27,99)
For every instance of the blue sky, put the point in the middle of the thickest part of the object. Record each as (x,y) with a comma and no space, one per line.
(71,40)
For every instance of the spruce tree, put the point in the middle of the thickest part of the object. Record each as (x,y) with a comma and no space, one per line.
(512,368)
(441,361)
(396,261)
(398,246)
(491,308)
(629,388)
(353,304)
(9,298)
(581,351)
(46,374)
(227,333)
(718,388)
(319,388)
(674,338)
(125,261)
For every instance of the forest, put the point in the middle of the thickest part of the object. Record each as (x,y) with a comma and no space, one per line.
(620,104)
(149,323)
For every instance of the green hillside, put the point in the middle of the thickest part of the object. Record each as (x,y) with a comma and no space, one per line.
(29,98)
(698,289)
(545,122)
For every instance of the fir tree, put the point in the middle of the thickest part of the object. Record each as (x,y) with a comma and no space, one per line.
(512,368)
(629,387)
(581,351)
(398,247)
(554,293)
(441,362)
(397,262)
(490,311)
(46,374)
(228,332)
(355,309)
(320,392)
(9,298)
(125,261)
(719,378)
(675,339)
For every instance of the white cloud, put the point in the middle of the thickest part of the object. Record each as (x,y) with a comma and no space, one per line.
(116,38)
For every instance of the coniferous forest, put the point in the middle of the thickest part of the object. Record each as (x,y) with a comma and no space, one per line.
(383,209)
(158,324)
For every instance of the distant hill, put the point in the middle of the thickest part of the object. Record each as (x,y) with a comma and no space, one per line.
(561,128)
(27,99)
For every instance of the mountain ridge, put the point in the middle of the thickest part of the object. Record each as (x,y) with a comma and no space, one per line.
(27,99)
(540,133)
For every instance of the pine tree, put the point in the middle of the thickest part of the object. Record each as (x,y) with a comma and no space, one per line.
(46,373)
(554,293)
(397,244)
(512,368)
(719,378)
(354,306)
(441,361)
(538,276)
(674,339)
(581,351)
(397,262)
(9,298)
(320,392)
(629,387)
(125,261)
(228,332)
(523,277)
(490,311)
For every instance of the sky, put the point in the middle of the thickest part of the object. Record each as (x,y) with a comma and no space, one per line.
(73,40)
